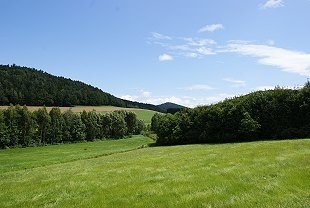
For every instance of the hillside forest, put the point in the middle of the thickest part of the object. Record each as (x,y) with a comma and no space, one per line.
(262,115)
(31,87)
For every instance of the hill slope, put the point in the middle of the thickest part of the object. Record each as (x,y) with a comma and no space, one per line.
(28,86)
(165,107)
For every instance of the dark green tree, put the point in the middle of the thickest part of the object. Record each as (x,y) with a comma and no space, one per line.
(4,136)
(68,117)
(91,122)
(56,126)
(118,123)
(10,118)
(77,129)
(25,126)
(131,122)
(43,120)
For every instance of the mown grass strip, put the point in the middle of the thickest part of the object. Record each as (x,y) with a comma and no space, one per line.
(32,157)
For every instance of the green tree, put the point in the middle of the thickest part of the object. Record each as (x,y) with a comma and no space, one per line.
(43,122)
(77,129)
(56,126)
(25,125)
(4,137)
(139,127)
(248,126)
(118,123)
(105,125)
(91,122)
(68,117)
(155,121)
(10,119)
(131,122)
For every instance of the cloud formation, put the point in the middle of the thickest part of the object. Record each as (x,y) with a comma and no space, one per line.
(211,28)
(286,60)
(270,87)
(235,82)
(186,47)
(198,87)
(158,36)
(267,54)
(187,101)
(272,4)
(165,57)
(130,97)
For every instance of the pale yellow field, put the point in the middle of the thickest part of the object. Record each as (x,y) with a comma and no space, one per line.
(143,114)
(77,109)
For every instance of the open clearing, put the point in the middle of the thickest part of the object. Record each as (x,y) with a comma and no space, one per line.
(256,174)
(143,114)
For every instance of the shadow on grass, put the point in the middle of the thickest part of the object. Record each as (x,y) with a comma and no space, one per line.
(222,142)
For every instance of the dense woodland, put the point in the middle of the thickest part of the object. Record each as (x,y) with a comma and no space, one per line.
(262,115)
(20,127)
(27,86)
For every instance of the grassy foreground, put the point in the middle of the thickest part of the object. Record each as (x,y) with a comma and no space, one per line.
(256,174)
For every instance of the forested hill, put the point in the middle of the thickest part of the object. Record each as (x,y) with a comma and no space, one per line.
(170,107)
(261,115)
(28,86)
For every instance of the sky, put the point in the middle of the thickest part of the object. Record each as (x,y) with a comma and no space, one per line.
(192,53)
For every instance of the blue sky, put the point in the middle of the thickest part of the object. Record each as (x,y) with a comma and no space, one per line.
(189,52)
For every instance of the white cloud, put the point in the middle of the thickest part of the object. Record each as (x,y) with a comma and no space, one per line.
(270,87)
(198,87)
(146,93)
(211,28)
(199,42)
(186,47)
(267,87)
(235,82)
(287,60)
(205,51)
(129,97)
(165,57)
(270,42)
(160,100)
(158,36)
(272,4)
(194,47)
(192,55)
(187,101)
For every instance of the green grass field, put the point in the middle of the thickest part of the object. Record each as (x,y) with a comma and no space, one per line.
(120,174)
(145,115)
(31,157)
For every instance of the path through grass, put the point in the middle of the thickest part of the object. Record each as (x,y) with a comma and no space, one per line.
(30,157)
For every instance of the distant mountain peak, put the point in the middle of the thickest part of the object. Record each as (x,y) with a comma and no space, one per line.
(170,107)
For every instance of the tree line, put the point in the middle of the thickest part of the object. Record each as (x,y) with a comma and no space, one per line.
(20,127)
(262,115)
(28,86)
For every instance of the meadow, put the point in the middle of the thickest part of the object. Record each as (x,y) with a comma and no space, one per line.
(123,174)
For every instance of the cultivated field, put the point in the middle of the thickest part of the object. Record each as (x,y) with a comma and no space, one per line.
(122,174)
(143,114)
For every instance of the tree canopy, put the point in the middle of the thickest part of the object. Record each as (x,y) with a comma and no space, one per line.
(20,127)
(261,115)
(31,87)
